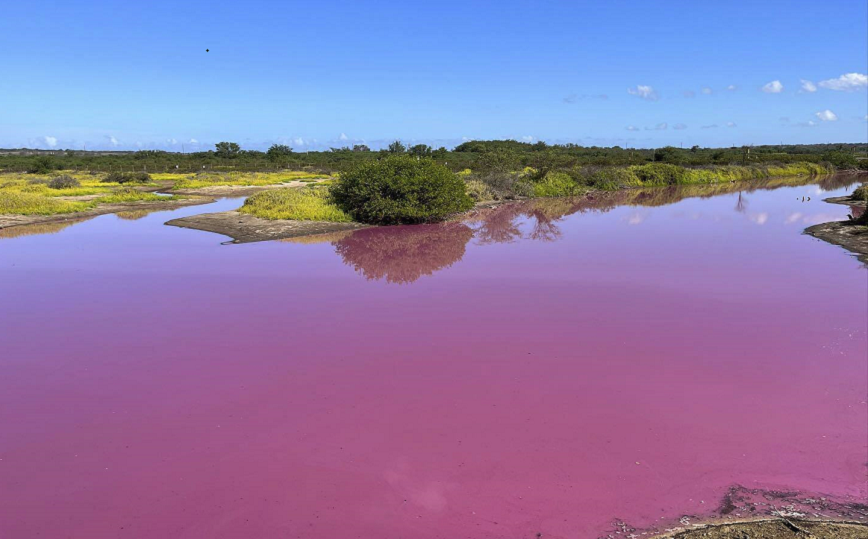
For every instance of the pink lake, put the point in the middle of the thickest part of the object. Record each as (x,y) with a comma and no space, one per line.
(558,368)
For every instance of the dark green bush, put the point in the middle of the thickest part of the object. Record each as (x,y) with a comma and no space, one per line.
(861,193)
(841,160)
(127,177)
(41,165)
(64,181)
(400,189)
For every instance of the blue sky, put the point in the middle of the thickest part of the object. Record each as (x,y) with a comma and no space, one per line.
(315,74)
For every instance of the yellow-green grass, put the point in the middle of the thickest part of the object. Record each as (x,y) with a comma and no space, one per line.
(301,204)
(244,179)
(12,202)
(38,199)
(37,184)
(127,194)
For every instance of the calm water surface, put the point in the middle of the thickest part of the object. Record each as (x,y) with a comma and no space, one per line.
(547,368)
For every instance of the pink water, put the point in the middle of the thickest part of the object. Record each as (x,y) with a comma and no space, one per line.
(532,371)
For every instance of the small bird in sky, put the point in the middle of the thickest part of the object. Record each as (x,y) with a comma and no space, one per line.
(207,50)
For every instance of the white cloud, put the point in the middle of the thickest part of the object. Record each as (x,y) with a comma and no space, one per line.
(712,126)
(298,141)
(645,92)
(707,91)
(827,115)
(659,127)
(51,142)
(773,87)
(112,140)
(635,218)
(808,86)
(679,126)
(527,138)
(344,136)
(689,93)
(171,141)
(730,124)
(846,83)
(632,128)
(759,218)
(194,141)
(732,87)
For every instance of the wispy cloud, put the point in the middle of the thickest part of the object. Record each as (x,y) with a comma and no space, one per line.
(343,137)
(730,124)
(827,115)
(51,142)
(732,87)
(572,98)
(711,126)
(707,91)
(659,127)
(773,87)
(679,126)
(808,86)
(689,94)
(645,92)
(846,83)
(632,128)
(113,141)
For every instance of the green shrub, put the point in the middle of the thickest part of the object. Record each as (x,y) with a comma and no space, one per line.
(42,165)
(400,189)
(478,190)
(127,177)
(64,181)
(299,204)
(861,193)
(842,160)
(659,174)
(556,184)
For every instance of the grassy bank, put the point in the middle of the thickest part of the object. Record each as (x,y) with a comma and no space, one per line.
(303,204)
(579,180)
(240,179)
(24,194)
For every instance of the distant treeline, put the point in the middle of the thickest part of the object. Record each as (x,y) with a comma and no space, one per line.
(479,156)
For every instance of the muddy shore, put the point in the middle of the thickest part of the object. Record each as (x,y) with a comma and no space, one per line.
(852,237)
(246,228)
(781,528)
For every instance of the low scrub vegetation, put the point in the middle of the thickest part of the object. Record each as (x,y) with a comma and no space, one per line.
(533,182)
(64,181)
(401,190)
(861,193)
(127,177)
(301,204)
